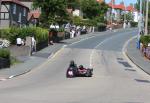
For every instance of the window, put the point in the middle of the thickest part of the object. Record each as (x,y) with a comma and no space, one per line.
(19,19)
(24,11)
(14,8)
(2,16)
(6,16)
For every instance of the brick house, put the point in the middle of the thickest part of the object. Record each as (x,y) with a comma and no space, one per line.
(13,13)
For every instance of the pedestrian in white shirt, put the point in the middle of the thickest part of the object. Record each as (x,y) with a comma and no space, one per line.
(19,41)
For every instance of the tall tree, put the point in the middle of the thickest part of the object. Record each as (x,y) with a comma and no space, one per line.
(92,8)
(73,4)
(53,11)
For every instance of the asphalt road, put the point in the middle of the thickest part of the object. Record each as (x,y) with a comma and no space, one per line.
(115,79)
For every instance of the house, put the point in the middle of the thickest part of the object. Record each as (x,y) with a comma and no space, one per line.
(13,13)
(116,11)
(33,17)
(27,3)
(34,14)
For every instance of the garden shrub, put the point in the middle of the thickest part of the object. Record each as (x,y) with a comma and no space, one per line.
(145,39)
(4,53)
(101,27)
(134,24)
(12,33)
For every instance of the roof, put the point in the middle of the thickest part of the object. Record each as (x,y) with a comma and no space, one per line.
(35,14)
(120,6)
(14,1)
(130,8)
(100,1)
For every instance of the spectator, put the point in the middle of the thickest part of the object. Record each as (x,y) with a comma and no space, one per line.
(52,26)
(19,42)
(57,26)
(23,42)
(72,33)
(33,45)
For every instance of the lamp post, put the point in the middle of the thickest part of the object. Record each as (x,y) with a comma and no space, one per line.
(139,25)
(0,12)
(124,24)
(146,20)
(112,3)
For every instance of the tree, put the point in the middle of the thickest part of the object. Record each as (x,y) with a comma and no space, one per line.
(92,9)
(129,16)
(73,4)
(53,11)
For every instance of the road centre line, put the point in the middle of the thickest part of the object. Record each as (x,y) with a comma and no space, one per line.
(94,49)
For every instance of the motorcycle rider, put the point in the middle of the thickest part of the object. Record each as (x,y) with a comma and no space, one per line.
(72,64)
(81,67)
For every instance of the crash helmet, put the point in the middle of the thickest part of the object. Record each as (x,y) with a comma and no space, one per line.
(72,62)
(81,66)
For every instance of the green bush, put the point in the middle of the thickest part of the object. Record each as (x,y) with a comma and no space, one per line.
(87,22)
(4,33)
(101,26)
(41,34)
(134,24)
(4,53)
(61,29)
(145,40)
(12,33)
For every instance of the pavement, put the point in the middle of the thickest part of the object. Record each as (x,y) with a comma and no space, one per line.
(31,62)
(136,56)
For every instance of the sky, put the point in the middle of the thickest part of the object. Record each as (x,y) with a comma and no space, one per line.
(127,2)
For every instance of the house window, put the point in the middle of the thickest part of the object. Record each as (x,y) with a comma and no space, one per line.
(6,16)
(14,9)
(2,16)
(24,11)
(19,19)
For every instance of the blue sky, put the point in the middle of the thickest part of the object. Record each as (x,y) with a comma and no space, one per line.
(127,2)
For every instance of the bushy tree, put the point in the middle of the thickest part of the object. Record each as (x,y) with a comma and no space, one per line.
(53,11)
(93,9)
(90,8)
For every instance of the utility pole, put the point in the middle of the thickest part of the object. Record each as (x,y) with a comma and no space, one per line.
(146,19)
(124,24)
(112,3)
(0,12)
(139,25)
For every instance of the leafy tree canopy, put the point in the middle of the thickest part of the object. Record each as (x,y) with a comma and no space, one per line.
(92,8)
(53,11)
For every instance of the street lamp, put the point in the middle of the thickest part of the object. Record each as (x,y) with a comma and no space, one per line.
(146,20)
(112,3)
(0,12)
(124,24)
(139,25)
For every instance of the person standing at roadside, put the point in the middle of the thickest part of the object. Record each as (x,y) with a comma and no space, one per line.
(19,41)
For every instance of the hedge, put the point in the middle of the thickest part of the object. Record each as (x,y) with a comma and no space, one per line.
(12,33)
(145,39)
(134,24)
(5,53)
(101,27)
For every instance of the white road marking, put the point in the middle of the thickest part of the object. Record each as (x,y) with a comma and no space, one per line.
(102,42)
(11,76)
(82,40)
